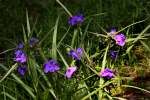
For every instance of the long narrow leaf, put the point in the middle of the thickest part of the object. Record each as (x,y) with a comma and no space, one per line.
(8,95)
(54,45)
(74,37)
(64,8)
(9,71)
(19,81)
(61,56)
(141,34)
(28,24)
(63,38)
(145,45)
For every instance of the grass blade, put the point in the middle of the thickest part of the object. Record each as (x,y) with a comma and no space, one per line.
(104,58)
(19,81)
(61,56)
(26,87)
(63,38)
(7,51)
(131,25)
(140,35)
(136,88)
(8,95)
(64,8)
(24,34)
(28,24)
(73,38)
(145,45)
(51,90)
(54,45)
(10,70)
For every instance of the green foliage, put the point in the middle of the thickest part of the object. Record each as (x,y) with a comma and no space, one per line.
(56,38)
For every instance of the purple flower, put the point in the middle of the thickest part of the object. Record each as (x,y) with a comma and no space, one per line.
(76,20)
(113,54)
(33,41)
(20,56)
(107,73)
(76,54)
(51,66)
(112,31)
(22,70)
(20,46)
(70,71)
(120,39)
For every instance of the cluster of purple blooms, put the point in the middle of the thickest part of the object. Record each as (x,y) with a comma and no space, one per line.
(51,66)
(21,57)
(119,38)
(76,54)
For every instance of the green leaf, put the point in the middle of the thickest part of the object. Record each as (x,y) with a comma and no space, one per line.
(26,87)
(64,7)
(54,45)
(19,81)
(63,38)
(33,71)
(74,37)
(8,95)
(141,34)
(130,86)
(28,24)
(145,45)
(24,34)
(61,56)
(9,71)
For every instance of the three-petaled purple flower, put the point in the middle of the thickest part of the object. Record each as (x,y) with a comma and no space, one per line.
(70,71)
(22,70)
(51,66)
(77,19)
(113,54)
(76,54)
(20,56)
(33,41)
(120,39)
(107,73)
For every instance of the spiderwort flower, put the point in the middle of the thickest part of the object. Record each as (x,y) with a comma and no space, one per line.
(113,54)
(120,39)
(20,56)
(76,54)
(112,31)
(107,73)
(51,66)
(20,46)
(70,71)
(33,41)
(22,70)
(74,20)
